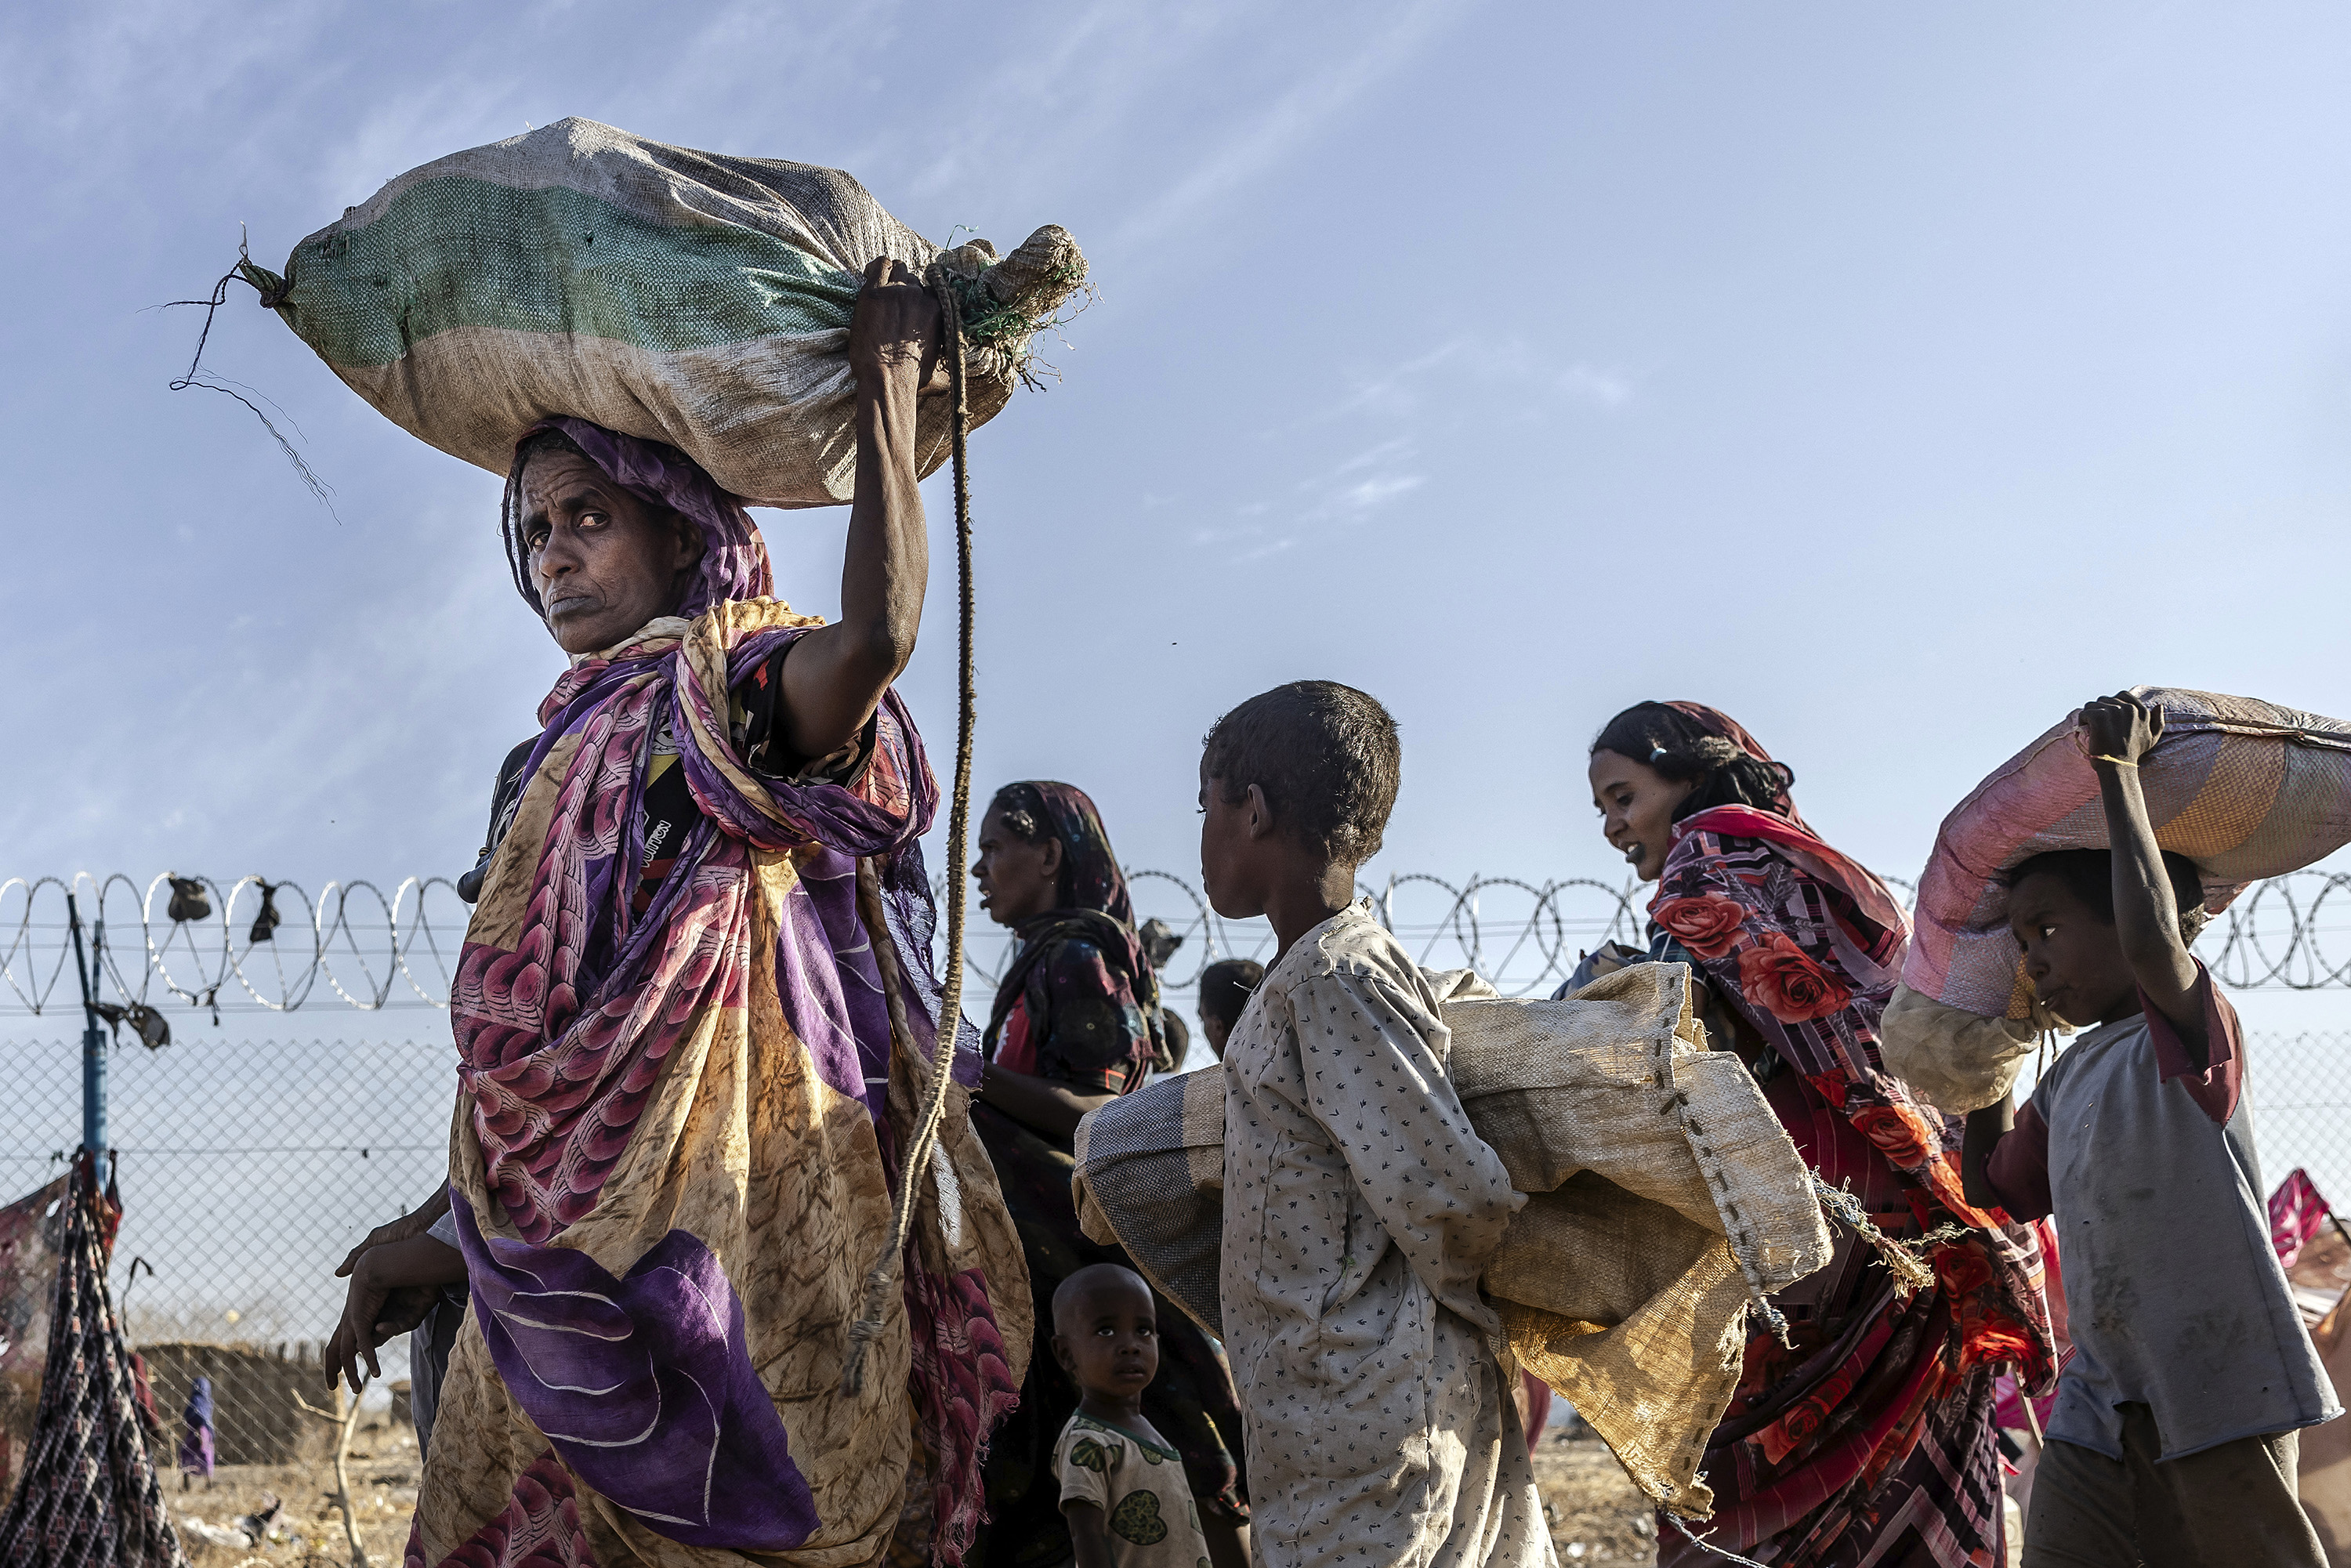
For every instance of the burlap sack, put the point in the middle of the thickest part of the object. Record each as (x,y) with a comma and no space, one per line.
(2245,789)
(1665,1196)
(1151,1178)
(692,298)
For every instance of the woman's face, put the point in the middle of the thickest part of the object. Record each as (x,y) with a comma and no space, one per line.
(604,563)
(1636,809)
(1017,880)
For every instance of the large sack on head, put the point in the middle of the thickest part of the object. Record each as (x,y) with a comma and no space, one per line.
(2244,789)
(691,297)
(1665,1196)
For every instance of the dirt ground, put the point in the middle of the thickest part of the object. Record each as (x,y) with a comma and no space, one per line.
(308,1531)
(1596,1513)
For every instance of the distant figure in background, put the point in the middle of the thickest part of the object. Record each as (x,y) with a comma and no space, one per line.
(197,1438)
(1175,1047)
(1077,1022)
(1159,942)
(1226,987)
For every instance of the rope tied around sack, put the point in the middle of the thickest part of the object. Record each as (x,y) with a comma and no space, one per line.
(1907,1261)
(272,291)
(1705,1545)
(882,1277)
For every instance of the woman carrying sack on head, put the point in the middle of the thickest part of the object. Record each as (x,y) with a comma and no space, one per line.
(1869,1437)
(693,1019)
(1075,1025)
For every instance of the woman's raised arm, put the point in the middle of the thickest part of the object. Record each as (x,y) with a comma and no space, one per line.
(836,675)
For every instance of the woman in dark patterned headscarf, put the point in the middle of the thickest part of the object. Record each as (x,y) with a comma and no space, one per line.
(1076,1023)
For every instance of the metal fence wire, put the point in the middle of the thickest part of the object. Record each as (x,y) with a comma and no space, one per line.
(195,944)
(248,1169)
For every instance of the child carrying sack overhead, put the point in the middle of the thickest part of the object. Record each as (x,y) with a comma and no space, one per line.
(2242,787)
(2174,1441)
(697,298)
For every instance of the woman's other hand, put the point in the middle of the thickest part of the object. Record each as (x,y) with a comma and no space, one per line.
(415,1222)
(393,1287)
(368,1310)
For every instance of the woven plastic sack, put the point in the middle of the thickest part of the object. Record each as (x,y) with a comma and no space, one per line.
(2244,789)
(691,298)
(1666,1198)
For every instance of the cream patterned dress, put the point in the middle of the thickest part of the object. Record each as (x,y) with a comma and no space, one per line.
(1360,1208)
(1140,1486)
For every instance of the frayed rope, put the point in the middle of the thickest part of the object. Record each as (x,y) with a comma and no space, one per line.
(1907,1261)
(1703,1544)
(272,291)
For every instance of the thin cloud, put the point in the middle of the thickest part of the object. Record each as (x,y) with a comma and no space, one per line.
(1372,493)
(1603,388)
(1294,119)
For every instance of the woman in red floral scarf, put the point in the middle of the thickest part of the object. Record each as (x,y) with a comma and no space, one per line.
(1868,1438)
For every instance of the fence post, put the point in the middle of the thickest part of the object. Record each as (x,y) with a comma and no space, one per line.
(93,1045)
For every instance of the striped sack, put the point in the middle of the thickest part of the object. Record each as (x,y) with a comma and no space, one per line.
(691,297)
(2245,789)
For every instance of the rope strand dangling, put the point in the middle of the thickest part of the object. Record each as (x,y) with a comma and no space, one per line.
(874,1313)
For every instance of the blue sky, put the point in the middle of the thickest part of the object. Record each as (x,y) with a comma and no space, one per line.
(1893,378)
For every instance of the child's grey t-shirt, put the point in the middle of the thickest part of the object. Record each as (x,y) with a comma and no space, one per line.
(2174,1295)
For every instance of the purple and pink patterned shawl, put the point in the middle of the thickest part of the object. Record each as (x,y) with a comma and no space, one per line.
(560,1062)
(564,1023)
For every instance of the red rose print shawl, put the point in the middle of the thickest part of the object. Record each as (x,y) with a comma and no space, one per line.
(1877,1424)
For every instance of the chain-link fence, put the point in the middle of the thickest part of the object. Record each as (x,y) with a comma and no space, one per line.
(2300,1088)
(246,1172)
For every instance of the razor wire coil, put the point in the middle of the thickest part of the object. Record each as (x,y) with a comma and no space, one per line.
(375,952)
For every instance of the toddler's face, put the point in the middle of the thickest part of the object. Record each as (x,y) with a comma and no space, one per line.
(2072,956)
(1108,1339)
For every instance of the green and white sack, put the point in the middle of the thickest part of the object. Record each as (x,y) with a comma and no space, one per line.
(691,297)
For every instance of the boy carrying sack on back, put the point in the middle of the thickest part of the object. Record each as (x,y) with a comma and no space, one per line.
(2173,1439)
(1360,1206)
